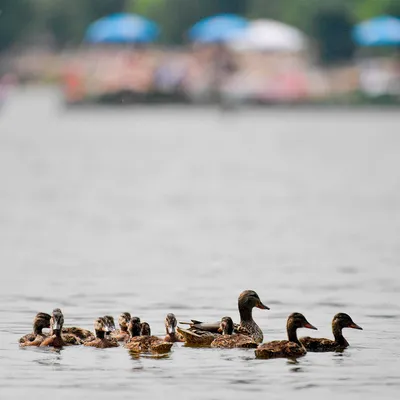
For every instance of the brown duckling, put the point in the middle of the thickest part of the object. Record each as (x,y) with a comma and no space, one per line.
(41,321)
(101,342)
(246,302)
(141,340)
(230,340)
(56,338)
(286,348)
(122,334)
(339,322)
(170,327)
(76,335)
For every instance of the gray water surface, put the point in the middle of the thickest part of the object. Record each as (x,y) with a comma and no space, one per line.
(157,210)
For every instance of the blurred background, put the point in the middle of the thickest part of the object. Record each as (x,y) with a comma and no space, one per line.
(204,51)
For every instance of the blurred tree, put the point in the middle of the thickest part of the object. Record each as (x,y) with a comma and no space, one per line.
(14,21)
(332,29)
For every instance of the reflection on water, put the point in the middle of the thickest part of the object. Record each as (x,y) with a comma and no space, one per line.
(178,210)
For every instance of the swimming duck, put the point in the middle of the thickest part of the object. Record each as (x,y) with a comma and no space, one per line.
(41,321)
(101,342)
(339,322)
(56,338)
(76,335)
(170,327)
(141,340)
(246,302)
(230,340)
(286,348)
(122,333)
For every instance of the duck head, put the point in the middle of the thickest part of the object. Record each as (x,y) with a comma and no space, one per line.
(109,320)
(41,321)
(170,324)
(134,327)
(145,329)
(246,302)
(226,326)
(295,321)
(123,321)
(100,327)
(343,320)
(57,321)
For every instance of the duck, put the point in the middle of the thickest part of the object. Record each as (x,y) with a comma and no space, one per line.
(122,334)
(141,340)
(56,338)
(291,348)
(41,321)
(229,340)
(247,300)
(170,327)
(101,342)
(340,321)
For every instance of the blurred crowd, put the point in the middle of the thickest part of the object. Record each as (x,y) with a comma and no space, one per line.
(203,74)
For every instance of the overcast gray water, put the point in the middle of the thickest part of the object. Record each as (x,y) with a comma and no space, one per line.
(178,210)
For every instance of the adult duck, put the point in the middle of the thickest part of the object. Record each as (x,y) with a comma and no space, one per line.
(247,326)
(101,341)
(40,322)
(230,340)
(290,348)
(339,322)
(141,340)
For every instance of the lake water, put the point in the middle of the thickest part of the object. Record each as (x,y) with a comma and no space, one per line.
(157,210)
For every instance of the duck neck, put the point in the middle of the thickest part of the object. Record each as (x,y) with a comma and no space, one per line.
(100,334)
(337,333)
(37,329)
(246,313)
(123,328)
(292,333)
(57,332)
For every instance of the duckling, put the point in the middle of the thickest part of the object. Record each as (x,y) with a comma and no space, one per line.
(339,322)
(56,339)
(141,340)
(101,342)
(41,321)
(170,327)
(286,348)
(122,334)
(230,340)
(246,302)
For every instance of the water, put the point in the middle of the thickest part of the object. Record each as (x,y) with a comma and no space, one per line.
(178,210)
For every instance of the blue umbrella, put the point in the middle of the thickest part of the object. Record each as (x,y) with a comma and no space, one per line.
(379,31)
(218,28)
(122,28)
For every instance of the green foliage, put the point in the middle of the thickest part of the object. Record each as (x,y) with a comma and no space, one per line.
(67,20)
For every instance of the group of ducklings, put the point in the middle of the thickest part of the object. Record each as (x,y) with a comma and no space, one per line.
(136,335)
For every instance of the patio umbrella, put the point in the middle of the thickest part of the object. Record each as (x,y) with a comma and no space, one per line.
(218,28)
(270,35)
(379,31)
(122,28)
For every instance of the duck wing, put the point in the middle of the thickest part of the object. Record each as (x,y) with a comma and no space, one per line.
(204,326)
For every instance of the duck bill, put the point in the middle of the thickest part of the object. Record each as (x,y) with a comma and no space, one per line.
(309,326)
(262,306)
(355,326)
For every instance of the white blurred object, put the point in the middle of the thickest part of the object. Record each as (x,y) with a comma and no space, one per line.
(270,35)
